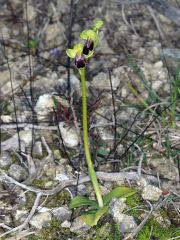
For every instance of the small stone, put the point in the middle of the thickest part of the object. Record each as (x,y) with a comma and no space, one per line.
(156,85)
(158,64)
(4,76)
(62,213)
(6,88)
(151,193)
(162,220)
(105,48)
(124,92)
(69,135)
(43,209)
(21,215)
(155,71)
(82,189)
(104,190)
(101,81)
(7,219)
(55,32)
(116,207)
(61,177)
(50,169)
(64,161)
(17,172)
(156,51)
(165,167)
(5,160)
(26,137)
(127,224)
(78,226)
(66,224)
(61,173)
(57,155)
(142,182)
(13,142)
(44,106)
(69,168)
(172,57)
(37,149)
(141,52)
(62,6)
(5,33)
(48,184)
(32,13)
(120,149)
(21,198)
(41,220)
(75,84)
(16,32)
(6,118)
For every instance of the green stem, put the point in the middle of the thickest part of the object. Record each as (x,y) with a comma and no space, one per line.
(85,139)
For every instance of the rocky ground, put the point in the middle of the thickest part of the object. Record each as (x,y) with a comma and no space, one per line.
(134,125)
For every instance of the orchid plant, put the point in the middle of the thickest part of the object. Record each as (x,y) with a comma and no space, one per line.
(81,52)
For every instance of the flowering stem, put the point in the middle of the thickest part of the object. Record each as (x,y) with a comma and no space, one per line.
(85,139)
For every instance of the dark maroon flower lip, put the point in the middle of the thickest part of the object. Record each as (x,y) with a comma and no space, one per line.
(88,46)
(85,50)
(80,61)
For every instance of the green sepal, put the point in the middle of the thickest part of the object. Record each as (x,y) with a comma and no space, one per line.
(89,34)
(71,52)
(91,218)
(98,25)
(78,47)
(79,201)
(119,192)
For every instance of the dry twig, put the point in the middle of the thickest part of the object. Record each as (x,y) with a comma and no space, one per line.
(25,223)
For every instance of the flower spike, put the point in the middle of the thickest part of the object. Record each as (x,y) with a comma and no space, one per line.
(81,52)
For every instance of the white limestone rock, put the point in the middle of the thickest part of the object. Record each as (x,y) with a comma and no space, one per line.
(151,193)
(69,135)
(41,220)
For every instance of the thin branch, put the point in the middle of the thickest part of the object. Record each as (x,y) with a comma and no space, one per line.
(156,21)
(112,177)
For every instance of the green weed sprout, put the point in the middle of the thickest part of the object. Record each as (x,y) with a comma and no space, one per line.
(81,52)
(32,45)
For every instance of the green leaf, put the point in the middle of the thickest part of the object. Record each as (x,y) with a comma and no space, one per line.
(71,53)
(55,101)
(119,192)
(91,219)
(102,151)
(79,201)
(33,43)
(98,24)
